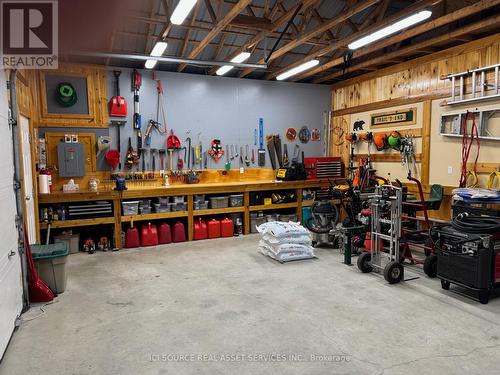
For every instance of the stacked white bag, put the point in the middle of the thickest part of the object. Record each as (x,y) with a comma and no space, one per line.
(285,241)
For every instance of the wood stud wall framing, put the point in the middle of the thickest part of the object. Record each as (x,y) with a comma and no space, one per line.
(406,84)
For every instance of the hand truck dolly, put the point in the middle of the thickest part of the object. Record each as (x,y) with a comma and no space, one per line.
(386,206)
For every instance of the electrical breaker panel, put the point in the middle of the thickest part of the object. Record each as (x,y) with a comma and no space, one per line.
(71,159)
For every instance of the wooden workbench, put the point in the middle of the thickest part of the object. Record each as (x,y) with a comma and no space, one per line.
(242,187)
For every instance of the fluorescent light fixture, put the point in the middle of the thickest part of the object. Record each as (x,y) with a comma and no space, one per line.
(150,64)
(298,69)
(181,11)
(391,29)
(237,59)
(241,57)
(223,70)
(159,48)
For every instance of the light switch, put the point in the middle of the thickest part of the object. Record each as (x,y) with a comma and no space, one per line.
(450,169)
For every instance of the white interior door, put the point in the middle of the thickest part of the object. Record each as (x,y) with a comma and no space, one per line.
(11,289)
(29,213)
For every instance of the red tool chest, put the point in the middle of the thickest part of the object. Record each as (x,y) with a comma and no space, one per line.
(324,167)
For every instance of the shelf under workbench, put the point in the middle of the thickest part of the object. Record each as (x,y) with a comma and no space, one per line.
(218,211)
(216,188)
(154,216)
(78,223)
(278,206)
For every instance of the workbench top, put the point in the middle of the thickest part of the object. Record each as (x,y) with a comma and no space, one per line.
(180,189)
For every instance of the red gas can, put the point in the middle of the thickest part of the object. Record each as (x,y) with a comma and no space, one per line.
(149,235)
(165,234)
(132,237)
(368,242)
(226,228)
(178,233)
(200,229)
(214,228)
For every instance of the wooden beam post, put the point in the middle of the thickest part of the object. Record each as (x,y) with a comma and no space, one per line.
(426,143)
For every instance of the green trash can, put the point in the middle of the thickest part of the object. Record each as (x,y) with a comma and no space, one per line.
(50,263)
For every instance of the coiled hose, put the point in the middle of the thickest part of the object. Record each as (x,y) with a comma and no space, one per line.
(476,224)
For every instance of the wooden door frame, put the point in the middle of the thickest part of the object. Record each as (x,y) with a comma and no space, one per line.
(33,169)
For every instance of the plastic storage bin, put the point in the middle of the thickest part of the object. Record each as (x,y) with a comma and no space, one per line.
(177,199)
(130,208)
(162,201)
(73,241)
(201,205)
(272,217)
(161,208)
(50,263)
(255,222)
(199,197)
(219,202)
(145,206)
(179,206)
(236,200)
(287,218)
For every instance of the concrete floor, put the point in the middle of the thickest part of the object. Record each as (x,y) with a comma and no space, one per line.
(137,311)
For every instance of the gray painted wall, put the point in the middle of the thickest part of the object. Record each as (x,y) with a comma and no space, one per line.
(224,108)
(219,107)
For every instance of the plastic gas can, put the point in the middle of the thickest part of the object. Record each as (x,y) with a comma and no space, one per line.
(226,228)
(368,242)
(149,235)
(213,228)
(200,229)
(164,234)
(132,237)
(178,233)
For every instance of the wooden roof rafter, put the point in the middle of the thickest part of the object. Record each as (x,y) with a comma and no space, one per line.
(365,28)
(399,53)
(397,38)
(320,29)
(276,25)
(185,43)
